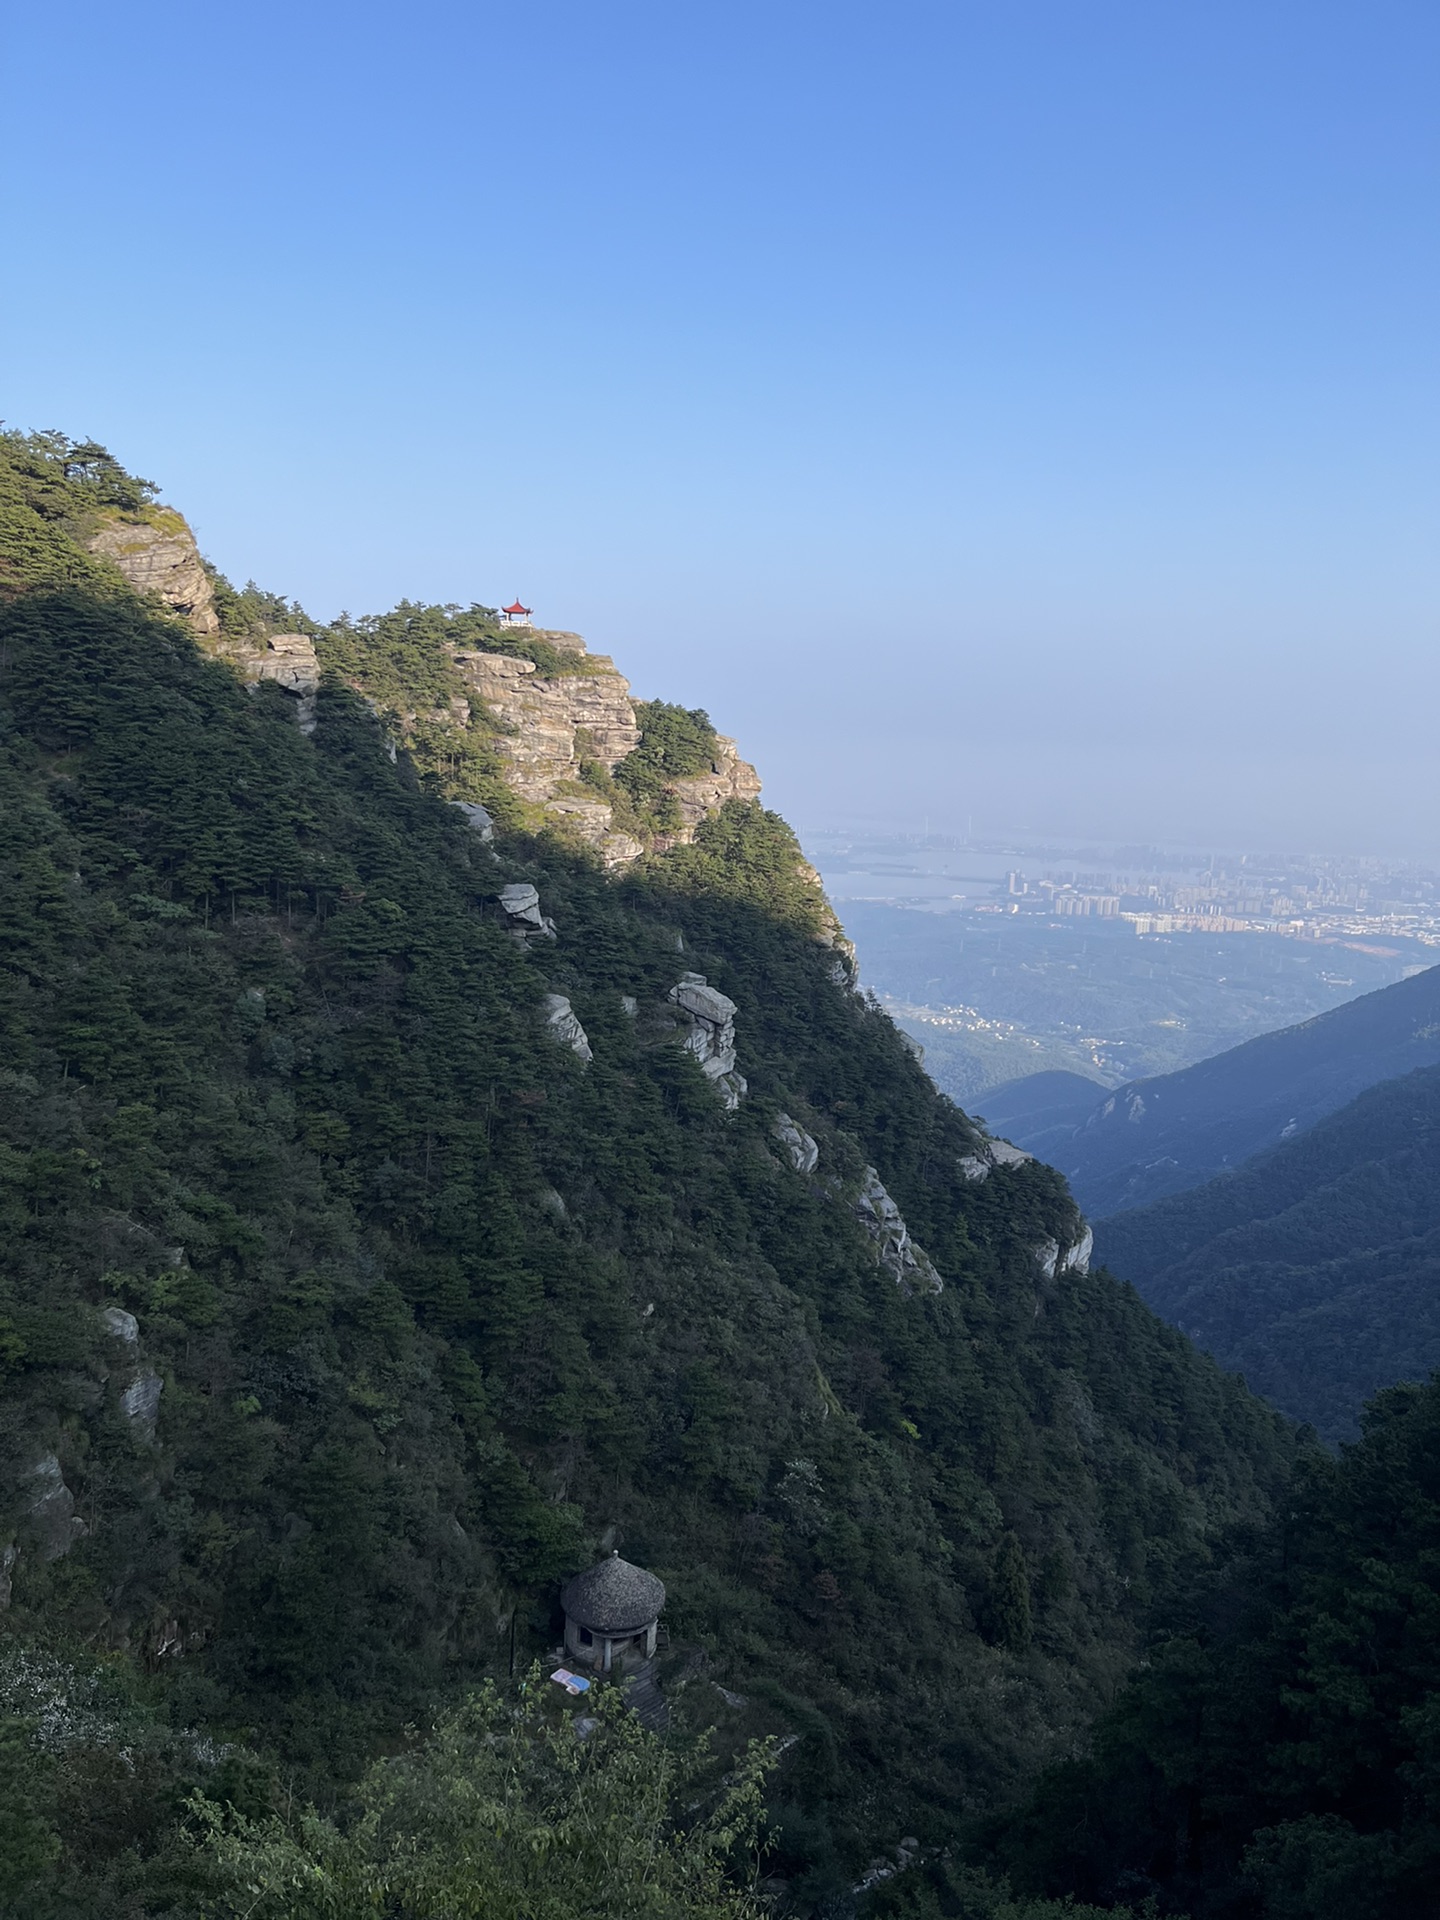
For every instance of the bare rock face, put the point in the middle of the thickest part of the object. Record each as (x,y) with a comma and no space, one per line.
(120,1325)
(989,1154)
(554,723)
(800,1148)
(520,904)
(729,778)
(564,1024)
(711,1038)
(1055,1257)
(140,1402)
(50,1508)
(910,1268)
(478,818)
(546,713)
(157,554)
(289,659)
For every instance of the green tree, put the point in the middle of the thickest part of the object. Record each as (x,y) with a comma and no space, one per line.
(510,1812)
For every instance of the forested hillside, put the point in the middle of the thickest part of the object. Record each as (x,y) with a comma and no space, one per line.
(1277,1759)
(348,1304)
(1313,1269)
(1157,1137)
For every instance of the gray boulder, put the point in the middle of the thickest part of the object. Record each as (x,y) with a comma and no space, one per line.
(711,1038)
(520,904)
(120,1325)
(800,1148)
(478,817)
(564,1025)
(908,1265)
(140,1402)
(50,1508)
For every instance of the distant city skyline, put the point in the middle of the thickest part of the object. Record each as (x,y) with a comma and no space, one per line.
(1021,413)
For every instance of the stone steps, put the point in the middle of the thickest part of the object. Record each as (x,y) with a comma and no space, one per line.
(646,1701)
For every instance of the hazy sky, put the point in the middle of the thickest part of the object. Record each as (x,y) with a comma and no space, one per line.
(1018,410)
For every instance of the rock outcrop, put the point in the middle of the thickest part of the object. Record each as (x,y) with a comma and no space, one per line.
(989,1154)
(50,1508)
(287,659)
(120,1325)
(564,1024)
(478,818)
(156,552)
(800,1149)
(520,904)
(699,794)
(711,1038)
(910,1267)
(140,1402)
(1057,1257)
(553,725)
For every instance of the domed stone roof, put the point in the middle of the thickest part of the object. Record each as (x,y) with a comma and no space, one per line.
(612,1597)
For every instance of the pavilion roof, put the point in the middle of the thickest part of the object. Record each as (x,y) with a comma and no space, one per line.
(613,1597)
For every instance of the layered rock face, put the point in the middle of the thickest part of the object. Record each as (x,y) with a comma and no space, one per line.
(547,713)
(157,554)
(289,660)
(555,723)
(551,725)
(711,1016)
(729,778)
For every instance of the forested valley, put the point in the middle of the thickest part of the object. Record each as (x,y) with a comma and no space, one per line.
(347,1309)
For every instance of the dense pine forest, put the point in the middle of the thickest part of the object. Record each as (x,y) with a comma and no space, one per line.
(346,1311)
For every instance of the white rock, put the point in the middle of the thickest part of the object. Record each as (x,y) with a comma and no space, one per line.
(1077,1258)
(732,1088)
(973,1167)
(120,1325)
(629,1005)
(898,1253)
(803,1153)
(140,1402)
(564,1025)
(706,1003)
(478,817)
(712,1034)
(289,659)
(520,898)
(520,903)
(1004,1155)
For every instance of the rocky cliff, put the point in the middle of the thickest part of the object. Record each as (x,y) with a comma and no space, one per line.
(155,550)
(557,725)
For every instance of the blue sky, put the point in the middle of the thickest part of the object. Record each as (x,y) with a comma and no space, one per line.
(1024,411)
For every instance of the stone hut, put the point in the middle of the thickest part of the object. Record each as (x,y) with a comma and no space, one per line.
(612,1611)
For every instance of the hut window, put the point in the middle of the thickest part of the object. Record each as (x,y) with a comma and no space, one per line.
(587,1639)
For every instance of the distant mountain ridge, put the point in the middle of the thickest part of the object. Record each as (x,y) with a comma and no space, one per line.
(1315,1268)
(1152,1138)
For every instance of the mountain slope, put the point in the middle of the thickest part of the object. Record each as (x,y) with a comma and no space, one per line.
(379,1246)
(1156,1137)
(1042,1109)
(1313,1269)
(1275,1760)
